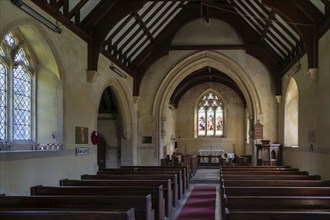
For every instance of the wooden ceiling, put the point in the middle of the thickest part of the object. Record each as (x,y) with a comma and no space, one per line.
(133,34)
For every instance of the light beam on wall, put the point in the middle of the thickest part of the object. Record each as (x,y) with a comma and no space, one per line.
(20,4)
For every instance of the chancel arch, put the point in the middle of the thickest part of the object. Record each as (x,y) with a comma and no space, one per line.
(197,61)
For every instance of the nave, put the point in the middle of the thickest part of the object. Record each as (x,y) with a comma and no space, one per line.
(174,193)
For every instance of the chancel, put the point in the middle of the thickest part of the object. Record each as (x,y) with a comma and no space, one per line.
(167,110)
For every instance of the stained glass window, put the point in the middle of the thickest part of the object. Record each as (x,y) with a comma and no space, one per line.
(219,121)
(210,122)
(201,121)
(15,92)
(210,116)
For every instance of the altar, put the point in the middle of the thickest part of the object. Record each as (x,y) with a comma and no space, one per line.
(207,152)
(210,157)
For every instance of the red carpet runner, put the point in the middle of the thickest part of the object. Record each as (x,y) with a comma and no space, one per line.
(200,204)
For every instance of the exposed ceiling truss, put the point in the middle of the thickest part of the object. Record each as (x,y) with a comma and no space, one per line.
(135,33)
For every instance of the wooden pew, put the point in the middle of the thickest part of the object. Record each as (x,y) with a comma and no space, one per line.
(156,193)
(266,182)
(277,214)
(141,204)
(66,214)
(255,167)
(165,183)
(184,170)
(263,172)
(173,178)
(282,191)
(270,177)
(275,191)
(180,179)
(277,202)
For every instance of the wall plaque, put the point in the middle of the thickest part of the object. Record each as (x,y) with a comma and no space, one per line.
(258,130)
(81,135)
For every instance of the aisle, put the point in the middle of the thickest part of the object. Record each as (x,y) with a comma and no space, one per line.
(200,204)
(202,200)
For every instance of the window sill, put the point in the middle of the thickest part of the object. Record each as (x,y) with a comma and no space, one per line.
(26,151)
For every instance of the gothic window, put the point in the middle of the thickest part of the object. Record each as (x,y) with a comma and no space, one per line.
(210,116)
(15,91)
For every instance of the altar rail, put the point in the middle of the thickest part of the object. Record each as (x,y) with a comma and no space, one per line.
(209,157)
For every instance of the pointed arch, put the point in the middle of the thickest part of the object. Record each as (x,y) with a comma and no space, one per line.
(128,124)
(34,63)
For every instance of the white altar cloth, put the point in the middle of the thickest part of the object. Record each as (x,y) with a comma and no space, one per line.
(207,152)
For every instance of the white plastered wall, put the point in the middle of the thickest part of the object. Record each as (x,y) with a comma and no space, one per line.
(314,116)
(20,171)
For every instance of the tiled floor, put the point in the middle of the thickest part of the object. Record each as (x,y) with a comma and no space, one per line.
(202,177)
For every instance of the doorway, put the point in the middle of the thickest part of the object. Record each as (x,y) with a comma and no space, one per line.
(110,129)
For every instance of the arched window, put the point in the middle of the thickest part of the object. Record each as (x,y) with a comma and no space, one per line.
(210,116)
(291,115)
(15,92)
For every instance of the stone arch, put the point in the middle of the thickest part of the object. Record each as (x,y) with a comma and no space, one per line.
(126,111)
(194,62)
(44,50)
(45,65)
(215,60)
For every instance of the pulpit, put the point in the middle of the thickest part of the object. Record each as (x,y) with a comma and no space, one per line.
(269,154)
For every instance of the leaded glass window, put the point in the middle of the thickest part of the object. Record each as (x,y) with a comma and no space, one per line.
(201,121)
(15,92)
(21,103)
(10,40)
(210,116)
(3,100)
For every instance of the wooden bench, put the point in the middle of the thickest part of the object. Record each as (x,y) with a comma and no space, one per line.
(172,178)
(270,177)
(180,179)
(277,183)
(141,204)
(184,170)
(277,202)
(263,172)
(66,214)
(275,191)
(156,193)
(255,167)
(227,191)
(165,183)
(277,214)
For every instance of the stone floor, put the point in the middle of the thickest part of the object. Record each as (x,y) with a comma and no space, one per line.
(202,177)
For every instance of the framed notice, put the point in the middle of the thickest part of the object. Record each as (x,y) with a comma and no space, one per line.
(81,135)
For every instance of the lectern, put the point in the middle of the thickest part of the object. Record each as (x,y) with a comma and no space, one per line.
(268,154)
